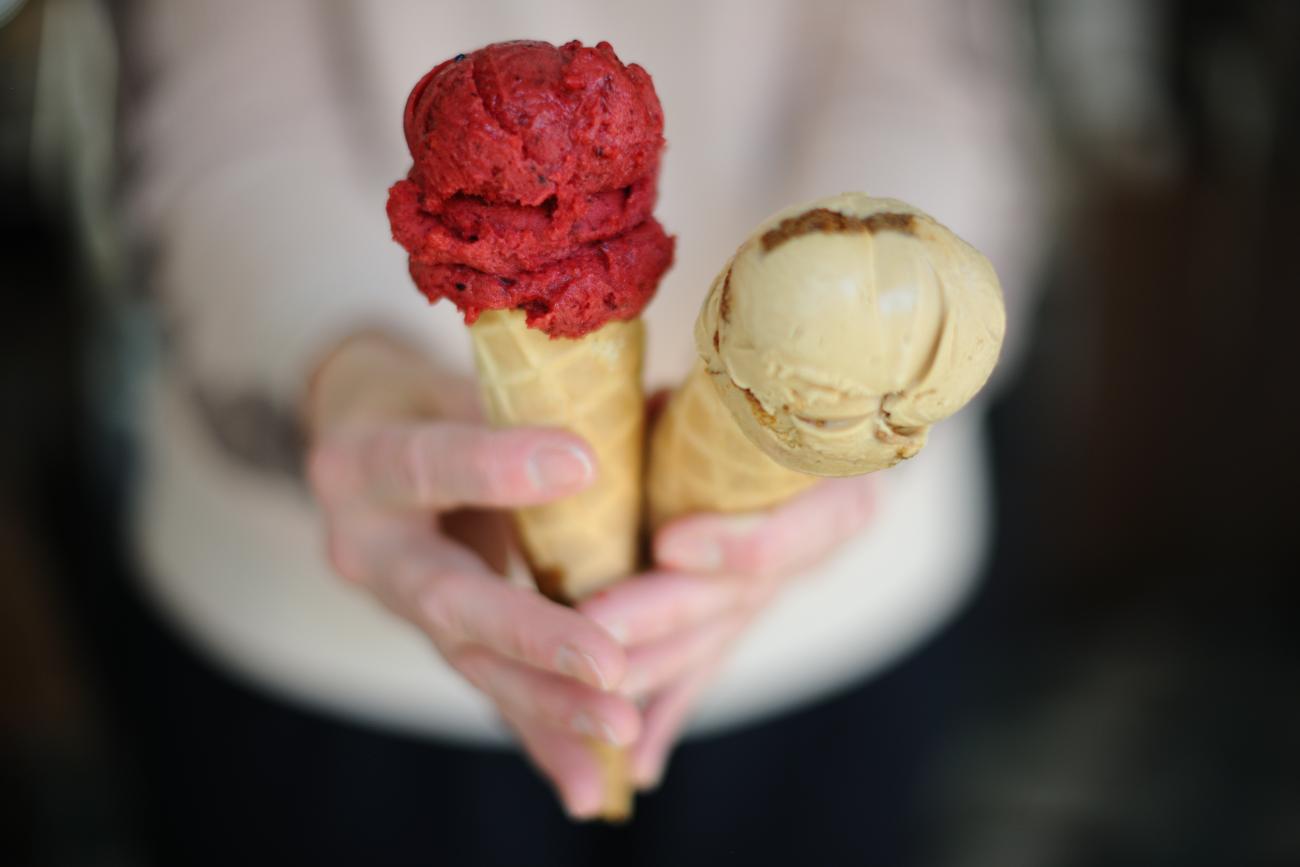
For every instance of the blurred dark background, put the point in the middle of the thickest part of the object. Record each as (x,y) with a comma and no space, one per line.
(1139,697)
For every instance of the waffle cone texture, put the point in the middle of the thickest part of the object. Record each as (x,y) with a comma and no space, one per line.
(700,461)
(590,386)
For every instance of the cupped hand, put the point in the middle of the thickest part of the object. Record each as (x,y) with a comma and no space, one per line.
(384,483)
(714,574)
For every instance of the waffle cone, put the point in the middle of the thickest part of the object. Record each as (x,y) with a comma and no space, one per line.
(701,462)
(592,387)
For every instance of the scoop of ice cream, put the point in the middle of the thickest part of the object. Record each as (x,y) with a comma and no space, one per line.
(501,239)
(843,329)
(520,122)
(569,297)
(532,162)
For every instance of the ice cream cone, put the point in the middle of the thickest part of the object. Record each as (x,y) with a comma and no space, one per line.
(533,178)
(590,386)
(700,461)
(837,335)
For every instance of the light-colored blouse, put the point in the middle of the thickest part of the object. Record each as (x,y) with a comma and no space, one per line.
(262,139)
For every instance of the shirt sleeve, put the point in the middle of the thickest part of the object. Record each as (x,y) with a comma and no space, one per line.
(264,226)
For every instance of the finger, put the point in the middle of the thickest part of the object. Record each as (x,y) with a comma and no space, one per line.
(789,537)
(657,605)
(662,723)
(444,465)
(522,692)
(567,762)
(361,542)
(449,593)
(651,666)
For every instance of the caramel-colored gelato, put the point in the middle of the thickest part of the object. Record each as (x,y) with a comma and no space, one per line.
(843,329)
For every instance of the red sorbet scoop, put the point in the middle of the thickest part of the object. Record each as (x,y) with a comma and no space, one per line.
(534,176)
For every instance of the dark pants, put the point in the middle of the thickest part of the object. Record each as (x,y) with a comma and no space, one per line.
(231,776)
(225,774)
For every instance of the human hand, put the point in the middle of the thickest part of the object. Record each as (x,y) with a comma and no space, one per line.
(384,478)
(714,574)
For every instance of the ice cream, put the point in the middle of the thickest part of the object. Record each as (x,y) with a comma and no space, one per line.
(570,297)
(843,329)
(533,178)
(533,175)
(836,336)
(528,206)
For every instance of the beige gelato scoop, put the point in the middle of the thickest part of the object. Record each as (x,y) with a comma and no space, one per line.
(843,329)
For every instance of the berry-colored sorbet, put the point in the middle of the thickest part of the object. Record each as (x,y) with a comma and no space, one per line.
(534,178)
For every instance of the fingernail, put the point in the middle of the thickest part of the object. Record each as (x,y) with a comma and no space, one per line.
(580,664)
(558,467)
(692,555)
(584,725)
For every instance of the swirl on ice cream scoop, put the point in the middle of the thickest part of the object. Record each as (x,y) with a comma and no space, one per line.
(843,329)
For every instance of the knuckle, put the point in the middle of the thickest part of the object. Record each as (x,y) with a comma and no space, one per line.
(342,555)
(561,703)
(755,555)
(438,609)
(677,614)
(482,461)
(320,471)
(417,467)
(407,576)
(470,662)
(522,643)
(777,554)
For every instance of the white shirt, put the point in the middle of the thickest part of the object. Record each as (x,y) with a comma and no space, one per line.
(265,137)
